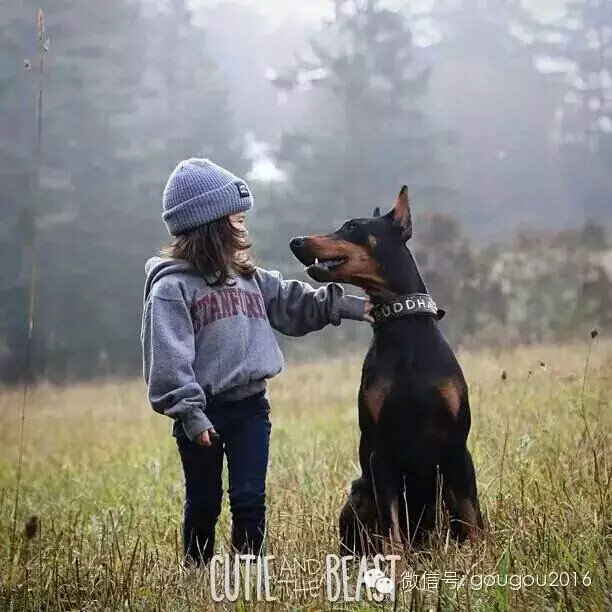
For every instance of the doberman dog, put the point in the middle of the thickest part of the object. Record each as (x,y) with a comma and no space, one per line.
(414,414)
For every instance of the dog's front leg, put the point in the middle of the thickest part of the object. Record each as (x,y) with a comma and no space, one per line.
(358,520)
(387,495)
(461,496)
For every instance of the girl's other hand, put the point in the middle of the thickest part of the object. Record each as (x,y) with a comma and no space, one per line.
(367,310)
(205,438)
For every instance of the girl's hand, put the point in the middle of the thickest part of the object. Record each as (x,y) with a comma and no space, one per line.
(367,310)
(205,438)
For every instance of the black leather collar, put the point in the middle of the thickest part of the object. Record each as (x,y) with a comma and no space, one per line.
(406,306)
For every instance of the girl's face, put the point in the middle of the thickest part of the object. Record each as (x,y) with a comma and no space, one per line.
(237,220)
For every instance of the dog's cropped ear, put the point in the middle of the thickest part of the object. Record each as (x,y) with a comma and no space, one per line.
(401,213)
(376,212)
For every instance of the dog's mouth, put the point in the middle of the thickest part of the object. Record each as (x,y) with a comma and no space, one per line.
(325,270)
(322,268)
(325,265)
(313,262)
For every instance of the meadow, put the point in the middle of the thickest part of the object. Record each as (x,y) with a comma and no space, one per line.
(100,495)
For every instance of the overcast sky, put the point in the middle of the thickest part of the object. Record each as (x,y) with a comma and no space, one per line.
(316,9)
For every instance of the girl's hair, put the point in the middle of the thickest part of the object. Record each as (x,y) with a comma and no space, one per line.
(217,249)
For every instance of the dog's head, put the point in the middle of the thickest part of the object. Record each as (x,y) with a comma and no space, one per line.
(362,252)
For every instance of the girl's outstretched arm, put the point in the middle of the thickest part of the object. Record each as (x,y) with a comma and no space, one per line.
(295,308)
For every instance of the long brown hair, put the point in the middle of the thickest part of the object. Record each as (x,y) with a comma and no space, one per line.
(217,249)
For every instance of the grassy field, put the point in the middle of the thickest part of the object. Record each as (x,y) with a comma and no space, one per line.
(101,473)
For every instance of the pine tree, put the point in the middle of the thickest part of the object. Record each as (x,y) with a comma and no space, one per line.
(580,43)
(113,131)
(485,87)
(376,132)
(582,40)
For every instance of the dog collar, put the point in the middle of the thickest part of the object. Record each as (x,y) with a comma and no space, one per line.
(406,305)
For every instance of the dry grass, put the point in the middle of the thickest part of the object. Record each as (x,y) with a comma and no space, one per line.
(102,474)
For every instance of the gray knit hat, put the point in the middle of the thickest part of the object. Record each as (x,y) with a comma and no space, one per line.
(198,191)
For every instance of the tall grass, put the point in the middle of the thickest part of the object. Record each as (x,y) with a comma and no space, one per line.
(31,244)
(101,492)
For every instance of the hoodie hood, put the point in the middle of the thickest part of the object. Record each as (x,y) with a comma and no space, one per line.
(158,267)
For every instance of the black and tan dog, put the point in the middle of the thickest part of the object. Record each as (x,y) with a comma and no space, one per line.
(414,414)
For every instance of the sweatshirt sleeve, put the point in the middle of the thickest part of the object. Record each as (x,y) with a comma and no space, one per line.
(294,308)
(168,353)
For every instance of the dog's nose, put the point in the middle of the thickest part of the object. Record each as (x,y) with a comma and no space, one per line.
(296,243)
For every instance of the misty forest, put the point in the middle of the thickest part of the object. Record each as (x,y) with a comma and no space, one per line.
(496,113)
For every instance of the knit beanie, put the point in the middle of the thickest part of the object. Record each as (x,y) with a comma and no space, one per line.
(198,191)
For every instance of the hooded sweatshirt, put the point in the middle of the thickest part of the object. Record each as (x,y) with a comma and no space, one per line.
(201,342)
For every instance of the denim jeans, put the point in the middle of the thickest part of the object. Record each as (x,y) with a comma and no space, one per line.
(244,430)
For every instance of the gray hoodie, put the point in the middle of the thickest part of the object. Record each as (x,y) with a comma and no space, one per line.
(201,342)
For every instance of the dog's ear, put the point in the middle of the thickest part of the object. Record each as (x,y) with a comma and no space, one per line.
(376,212)
(401,213)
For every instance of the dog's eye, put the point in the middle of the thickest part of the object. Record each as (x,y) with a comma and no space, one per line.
(350,225)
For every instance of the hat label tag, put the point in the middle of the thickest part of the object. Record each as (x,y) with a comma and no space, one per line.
(243,190)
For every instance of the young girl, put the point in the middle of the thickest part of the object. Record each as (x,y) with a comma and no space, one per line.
(208,348)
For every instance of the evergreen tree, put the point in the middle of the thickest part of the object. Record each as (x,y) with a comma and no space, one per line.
(580,42)
(113,129)
(375,134)
(485,87)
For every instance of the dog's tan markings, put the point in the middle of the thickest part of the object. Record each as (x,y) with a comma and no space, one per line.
(374,395)
(372,241)
(359,268)
(451,391)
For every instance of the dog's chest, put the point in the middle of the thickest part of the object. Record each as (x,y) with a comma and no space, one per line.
(404,386)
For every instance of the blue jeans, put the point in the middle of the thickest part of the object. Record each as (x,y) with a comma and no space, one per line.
(244,430)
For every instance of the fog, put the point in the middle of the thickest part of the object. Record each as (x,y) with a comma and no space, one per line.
(496,113)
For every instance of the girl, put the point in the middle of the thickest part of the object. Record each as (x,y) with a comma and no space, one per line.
(208,348)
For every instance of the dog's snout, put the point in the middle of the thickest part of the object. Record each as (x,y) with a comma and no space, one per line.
(297,242)
(300,247)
